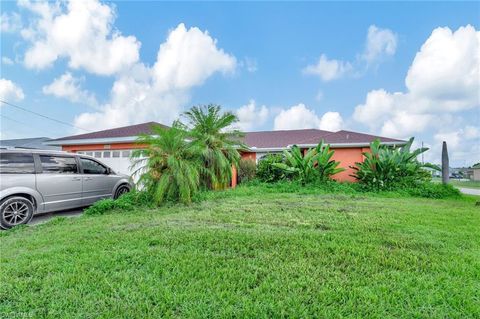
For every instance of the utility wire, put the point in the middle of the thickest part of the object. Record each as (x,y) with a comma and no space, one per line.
(44,116)
(27,125)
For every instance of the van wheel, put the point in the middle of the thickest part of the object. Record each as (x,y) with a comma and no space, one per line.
(15,211)
(121,190)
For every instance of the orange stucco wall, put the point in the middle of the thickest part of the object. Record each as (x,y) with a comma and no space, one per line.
(96,147)
(249,155)
(348,157)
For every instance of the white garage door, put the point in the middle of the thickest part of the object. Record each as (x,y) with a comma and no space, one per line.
(118,160)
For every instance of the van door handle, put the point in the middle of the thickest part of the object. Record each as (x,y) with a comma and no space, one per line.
(76,179)
(87,179)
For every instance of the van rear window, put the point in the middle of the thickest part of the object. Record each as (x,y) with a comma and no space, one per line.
(16,163)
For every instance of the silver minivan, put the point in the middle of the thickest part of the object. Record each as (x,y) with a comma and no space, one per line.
(34,181)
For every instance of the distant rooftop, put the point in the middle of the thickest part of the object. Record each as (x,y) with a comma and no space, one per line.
(28,143)
(124,131)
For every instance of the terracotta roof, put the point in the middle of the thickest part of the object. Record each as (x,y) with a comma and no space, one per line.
(131,130)
(349,137)
(273,139)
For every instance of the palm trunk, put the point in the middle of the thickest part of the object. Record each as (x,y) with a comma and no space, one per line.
(445,164)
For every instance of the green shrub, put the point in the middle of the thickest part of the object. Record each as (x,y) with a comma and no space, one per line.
(434,190)
(268,173)
(312,166)
(388,168)
(247,169)
(129,201)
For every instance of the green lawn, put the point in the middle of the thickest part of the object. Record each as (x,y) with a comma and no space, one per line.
(251,254)
(466,184)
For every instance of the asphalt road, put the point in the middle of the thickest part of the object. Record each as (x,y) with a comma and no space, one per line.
(42,218)
(470,191)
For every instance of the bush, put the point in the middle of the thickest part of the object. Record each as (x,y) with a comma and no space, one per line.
(129,201)
(387,168)
(311,166)
(247,169)
(266,172)
(434,190)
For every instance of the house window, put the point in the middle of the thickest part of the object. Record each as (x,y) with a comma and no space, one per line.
(106,154)
(116,154)
(89,153)
(125,153)
(98,154)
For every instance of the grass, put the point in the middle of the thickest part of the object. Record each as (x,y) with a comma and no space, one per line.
(458,183)
(251,253)
(466,184)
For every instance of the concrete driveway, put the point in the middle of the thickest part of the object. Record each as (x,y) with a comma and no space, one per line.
(42,218)
(470,191)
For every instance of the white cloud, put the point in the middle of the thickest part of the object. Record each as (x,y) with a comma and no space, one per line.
(301,117)
(69,87)
(82,32)
(188,58)
(379,43)
(185,60)
(446,69)
(10,22)
(444,77)
(10,91)
(250,116)
(7,61)
(328,70)
(471,132)
(331,121)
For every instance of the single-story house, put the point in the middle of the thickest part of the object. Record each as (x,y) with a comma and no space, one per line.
(29,143)
(114,146)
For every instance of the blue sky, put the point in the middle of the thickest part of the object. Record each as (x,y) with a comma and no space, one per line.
(260,60)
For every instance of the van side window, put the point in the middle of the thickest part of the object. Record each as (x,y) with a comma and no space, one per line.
(58,164)
(92,167)
(16,163)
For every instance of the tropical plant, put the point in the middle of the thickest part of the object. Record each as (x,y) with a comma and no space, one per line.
(325,166)
(300,167)
(218,144)
(266,172)
(315,164)
(387,167)
(168,167)
(247,169)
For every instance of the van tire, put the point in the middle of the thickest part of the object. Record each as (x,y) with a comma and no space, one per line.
(121,190)
(14,211)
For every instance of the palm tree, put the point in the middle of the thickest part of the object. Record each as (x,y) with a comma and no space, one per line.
(211,132)
(168,167)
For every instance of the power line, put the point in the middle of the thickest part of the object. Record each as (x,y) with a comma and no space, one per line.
(44,116)
(27,125)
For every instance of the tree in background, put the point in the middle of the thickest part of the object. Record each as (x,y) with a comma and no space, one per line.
(169,167)
(266,172)
(247,169)
(209,129)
